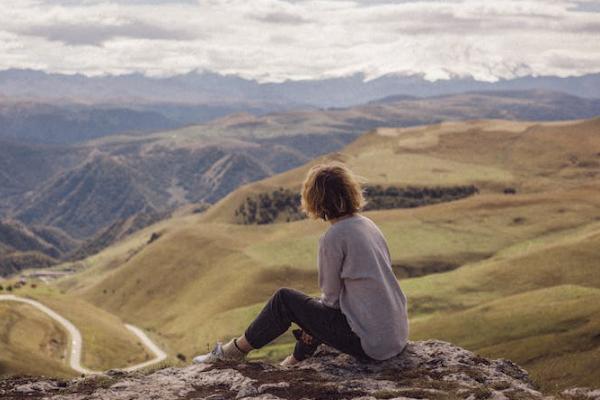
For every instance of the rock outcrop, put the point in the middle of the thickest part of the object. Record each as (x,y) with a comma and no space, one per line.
(425,370)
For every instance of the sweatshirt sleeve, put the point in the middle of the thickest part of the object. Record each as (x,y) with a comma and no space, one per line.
(330,259)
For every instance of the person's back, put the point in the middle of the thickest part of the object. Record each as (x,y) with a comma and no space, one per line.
(355,275)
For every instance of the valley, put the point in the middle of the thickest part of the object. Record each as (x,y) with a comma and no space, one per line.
(62,202)
(516,262)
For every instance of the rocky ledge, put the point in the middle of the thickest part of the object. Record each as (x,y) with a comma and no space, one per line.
(426,370)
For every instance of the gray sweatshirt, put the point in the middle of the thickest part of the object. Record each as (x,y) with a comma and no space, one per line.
(355,275)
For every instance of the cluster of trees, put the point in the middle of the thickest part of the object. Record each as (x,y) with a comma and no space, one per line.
(17,285)
(266,208)
(284,204)
(380,198)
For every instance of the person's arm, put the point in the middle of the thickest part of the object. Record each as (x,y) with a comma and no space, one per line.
(330,259)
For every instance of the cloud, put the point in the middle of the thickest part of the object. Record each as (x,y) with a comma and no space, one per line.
(274,40)
(281,18)
(127,2)
(73,33)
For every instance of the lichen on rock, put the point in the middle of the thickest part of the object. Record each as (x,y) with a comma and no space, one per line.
(425,370)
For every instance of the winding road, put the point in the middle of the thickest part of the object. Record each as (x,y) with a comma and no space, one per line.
(76,341)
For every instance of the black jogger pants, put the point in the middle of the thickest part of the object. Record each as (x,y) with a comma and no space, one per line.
(324,324)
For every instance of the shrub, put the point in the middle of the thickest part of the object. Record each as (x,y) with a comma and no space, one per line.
(153,237)
(284,204)
(379,198)
(266,208)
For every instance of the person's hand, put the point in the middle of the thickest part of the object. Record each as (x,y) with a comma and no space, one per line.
(289,361)
(306,338)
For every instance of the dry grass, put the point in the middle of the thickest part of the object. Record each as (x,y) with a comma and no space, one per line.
(106,342)
(551,332)
(31,343)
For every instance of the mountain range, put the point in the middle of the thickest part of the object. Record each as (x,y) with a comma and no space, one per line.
(211,88)
(95,192)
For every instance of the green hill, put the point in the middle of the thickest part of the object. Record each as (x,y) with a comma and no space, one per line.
(552,332)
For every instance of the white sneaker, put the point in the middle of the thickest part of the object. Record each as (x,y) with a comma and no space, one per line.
(215,355)
(289,361)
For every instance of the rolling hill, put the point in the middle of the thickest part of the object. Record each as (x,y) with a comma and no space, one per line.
(493,155)
(32,343)
(88,189)
(523,262)
(68,121)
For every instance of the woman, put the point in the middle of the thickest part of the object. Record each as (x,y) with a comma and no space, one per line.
(361,311)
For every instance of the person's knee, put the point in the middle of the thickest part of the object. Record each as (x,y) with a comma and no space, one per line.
(287,297)
(284,292)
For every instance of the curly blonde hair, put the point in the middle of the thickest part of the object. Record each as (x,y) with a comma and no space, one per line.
(331,191)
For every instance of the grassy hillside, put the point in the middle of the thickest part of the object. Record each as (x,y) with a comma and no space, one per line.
(31,342)
(205,276)
(492,155)
(535,303)
(106,342)
(552,332)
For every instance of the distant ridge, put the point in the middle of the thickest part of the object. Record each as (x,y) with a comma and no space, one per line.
(41,122)
(394,98)
(49,121)
(206,87)
(36,247)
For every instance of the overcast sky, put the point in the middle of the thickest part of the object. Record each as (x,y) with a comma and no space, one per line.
(273,40)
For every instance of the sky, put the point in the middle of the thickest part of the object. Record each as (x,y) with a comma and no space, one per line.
(275,40)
